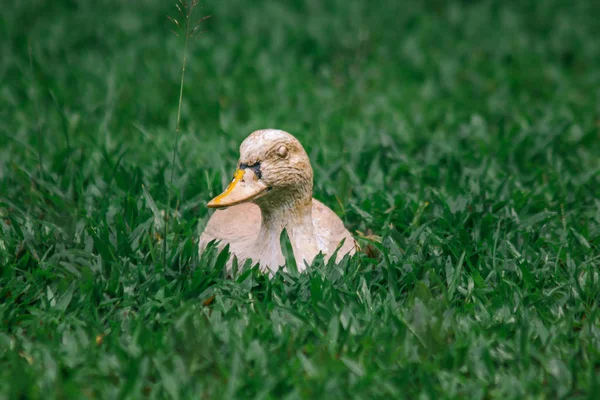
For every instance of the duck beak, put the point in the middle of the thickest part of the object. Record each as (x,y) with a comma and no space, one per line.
(245,186)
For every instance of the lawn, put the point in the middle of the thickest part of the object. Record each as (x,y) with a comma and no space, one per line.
(464,134)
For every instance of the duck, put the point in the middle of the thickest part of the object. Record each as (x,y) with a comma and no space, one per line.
(272,190)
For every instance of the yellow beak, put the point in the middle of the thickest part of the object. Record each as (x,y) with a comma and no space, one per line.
(245,186)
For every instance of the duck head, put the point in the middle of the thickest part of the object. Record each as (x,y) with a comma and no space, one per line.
(273,171)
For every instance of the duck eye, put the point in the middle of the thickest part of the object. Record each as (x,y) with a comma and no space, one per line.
(282,151)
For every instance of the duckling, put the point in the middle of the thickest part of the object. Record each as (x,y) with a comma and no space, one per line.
(271,190)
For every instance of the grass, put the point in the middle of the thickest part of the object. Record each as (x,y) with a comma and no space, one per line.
(464,133)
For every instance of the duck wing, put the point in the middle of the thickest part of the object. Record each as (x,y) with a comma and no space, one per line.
(330,231)
(235,225)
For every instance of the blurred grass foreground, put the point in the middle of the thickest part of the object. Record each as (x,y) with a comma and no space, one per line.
(464,133)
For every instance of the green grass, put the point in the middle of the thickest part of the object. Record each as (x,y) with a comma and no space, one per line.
(465,134)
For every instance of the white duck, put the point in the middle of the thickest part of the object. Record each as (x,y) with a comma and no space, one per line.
(272,190)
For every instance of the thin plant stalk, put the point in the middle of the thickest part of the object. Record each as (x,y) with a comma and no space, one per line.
(186,13)
(38,130)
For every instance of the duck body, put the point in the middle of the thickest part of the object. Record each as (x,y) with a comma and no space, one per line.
(272,191)
(250,243)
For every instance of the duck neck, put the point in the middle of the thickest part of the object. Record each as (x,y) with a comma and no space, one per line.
(288,215)
(295,216)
